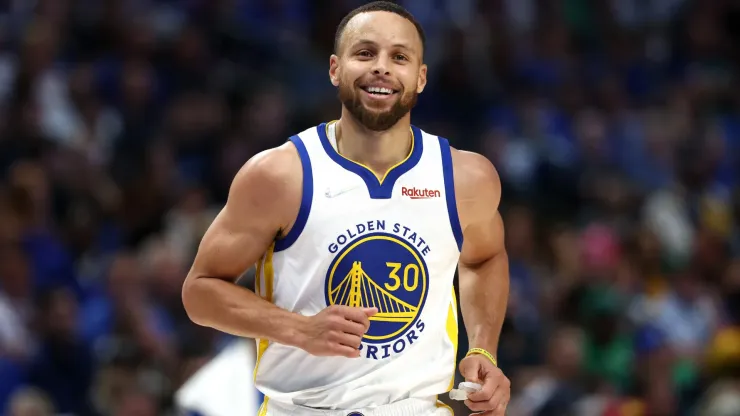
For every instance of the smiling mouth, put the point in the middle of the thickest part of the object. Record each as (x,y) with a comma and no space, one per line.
(379,91)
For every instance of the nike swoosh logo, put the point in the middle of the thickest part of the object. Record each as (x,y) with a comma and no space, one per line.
(329,194)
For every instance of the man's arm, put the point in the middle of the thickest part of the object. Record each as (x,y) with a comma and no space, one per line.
(263,200)
(484,265)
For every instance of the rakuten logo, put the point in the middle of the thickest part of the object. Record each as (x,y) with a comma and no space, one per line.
(416,193)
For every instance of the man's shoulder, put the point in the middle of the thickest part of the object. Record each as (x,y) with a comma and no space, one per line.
(477,184)
(270,185)
(466,164)
(473,169)
(282,163)
(277,169)
(274,163)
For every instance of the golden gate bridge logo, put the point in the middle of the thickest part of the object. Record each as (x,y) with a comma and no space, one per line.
(384,272)
(358,290)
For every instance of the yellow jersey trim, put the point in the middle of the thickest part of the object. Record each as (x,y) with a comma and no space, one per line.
(263,407)
(452,334)
(382,177)
(442,405)
(264,270)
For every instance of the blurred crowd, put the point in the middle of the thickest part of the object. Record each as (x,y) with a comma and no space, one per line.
(614,124)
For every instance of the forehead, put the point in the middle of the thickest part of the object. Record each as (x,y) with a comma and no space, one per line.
(382,28)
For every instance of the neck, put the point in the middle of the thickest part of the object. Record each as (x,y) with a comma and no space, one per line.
(378,150)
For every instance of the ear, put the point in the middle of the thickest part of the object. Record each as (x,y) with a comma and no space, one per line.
(334,70)
(422,79)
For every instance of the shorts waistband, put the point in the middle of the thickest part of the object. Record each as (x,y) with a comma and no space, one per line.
(407,407)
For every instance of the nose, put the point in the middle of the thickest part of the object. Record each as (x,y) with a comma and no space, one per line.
(380,66)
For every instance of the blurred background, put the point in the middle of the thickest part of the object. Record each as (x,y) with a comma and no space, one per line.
(614,125)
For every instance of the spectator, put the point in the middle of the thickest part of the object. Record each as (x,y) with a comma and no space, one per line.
(30,402)
(615,127)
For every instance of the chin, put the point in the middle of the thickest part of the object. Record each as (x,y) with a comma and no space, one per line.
(379,107)
(376,109)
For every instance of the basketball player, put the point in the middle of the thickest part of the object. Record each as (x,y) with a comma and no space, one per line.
(357,227)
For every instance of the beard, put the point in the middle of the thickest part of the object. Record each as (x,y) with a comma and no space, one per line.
(349,95)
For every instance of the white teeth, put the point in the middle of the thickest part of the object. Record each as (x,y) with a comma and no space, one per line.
(380,90)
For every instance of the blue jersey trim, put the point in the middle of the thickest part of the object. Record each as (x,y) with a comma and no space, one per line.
(377,188)
(449,179)
(260,400)
(306,198)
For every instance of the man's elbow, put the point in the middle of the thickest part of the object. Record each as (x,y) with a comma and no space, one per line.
(191,297)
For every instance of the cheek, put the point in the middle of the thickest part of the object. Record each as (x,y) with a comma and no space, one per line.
(411,84)
(344,77)
(409,78)
(351,70)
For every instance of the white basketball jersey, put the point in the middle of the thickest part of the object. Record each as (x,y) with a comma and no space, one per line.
(361,241)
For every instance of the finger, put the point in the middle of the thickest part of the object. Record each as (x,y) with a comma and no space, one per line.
(357,315)
(496,402)
(352,327)
(350,340)
(344,351)
(499,399)
(370,311)
(477,406)
(470,370)
(485,393)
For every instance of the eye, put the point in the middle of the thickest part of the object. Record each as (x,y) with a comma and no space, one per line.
(401,57)
(364,53)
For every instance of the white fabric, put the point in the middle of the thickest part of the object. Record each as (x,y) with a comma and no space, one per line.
(412,361)
(224,386)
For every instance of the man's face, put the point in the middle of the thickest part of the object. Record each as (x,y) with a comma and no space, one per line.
(379,69)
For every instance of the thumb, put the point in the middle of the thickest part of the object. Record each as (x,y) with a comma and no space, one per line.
(470,370)
(370,311)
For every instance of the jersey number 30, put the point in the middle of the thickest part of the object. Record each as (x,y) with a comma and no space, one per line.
(410,276)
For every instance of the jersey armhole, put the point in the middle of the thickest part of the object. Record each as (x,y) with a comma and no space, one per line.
(306,198)
(449,180)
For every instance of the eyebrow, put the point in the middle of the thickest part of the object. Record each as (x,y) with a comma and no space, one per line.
(395,45)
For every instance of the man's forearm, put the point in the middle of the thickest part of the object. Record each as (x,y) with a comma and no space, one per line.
(229,308)
(484,294)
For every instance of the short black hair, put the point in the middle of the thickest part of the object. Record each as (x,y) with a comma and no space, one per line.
(378,6)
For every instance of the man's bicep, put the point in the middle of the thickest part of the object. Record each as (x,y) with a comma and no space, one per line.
(478,201)
(483,239)
(264,195)
(232,245)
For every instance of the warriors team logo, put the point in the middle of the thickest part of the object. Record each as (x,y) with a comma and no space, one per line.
(385,271)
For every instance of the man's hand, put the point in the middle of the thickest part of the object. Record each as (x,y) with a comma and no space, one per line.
(336,331)
(496,392)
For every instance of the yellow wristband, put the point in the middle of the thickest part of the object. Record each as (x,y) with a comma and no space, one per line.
(484,353)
